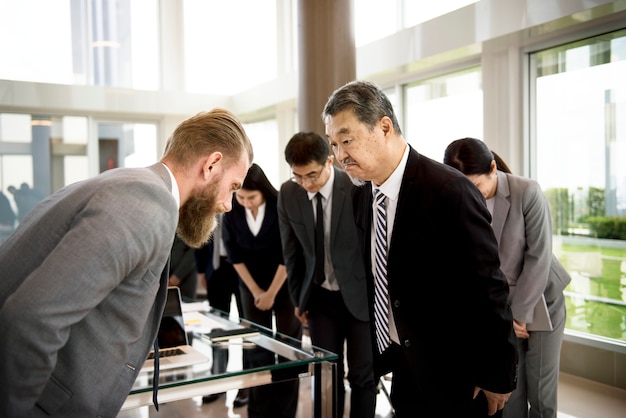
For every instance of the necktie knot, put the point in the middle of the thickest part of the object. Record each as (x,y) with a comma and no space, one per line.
(380,197)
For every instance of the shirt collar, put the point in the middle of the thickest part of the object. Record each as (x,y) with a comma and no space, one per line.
(175,190)
(391,186)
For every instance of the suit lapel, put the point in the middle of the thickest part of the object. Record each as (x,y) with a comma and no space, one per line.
(339,194)
(363,219)
(408,179)
(271,216)
(501,206)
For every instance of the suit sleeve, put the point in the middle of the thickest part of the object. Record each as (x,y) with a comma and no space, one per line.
(493,345)
(229,236)
(184,263)
(291,247)
(118,232)
(533,278)
(203,256)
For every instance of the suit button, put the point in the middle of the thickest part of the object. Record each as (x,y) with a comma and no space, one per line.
(407,343)
(396,303)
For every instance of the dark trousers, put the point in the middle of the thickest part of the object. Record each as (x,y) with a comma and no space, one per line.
(276,400)
(221,286)
(412,398)
(331,326)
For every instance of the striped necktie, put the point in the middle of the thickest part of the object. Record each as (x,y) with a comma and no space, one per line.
(381,294)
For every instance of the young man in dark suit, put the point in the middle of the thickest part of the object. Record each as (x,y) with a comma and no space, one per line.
(438,298)
(332,299)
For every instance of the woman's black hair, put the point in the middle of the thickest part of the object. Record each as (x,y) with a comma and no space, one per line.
(257,180)
(472,156)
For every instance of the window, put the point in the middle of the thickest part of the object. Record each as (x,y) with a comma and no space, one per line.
(47,153)
(228,55)
(126,145)
(442,109)
(38,47)
(580,152)
(83,42)
(264,138)
(373,20)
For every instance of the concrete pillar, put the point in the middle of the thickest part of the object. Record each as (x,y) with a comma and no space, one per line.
(326,57)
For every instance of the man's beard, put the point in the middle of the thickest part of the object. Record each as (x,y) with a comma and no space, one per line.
(197,218)
(357,181)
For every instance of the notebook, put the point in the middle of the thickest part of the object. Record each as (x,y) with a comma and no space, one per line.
(541,317)
(174,348)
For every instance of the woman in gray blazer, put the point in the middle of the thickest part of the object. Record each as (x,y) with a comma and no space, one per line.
(522,225)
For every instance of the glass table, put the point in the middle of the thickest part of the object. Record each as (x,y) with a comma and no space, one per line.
(277,358)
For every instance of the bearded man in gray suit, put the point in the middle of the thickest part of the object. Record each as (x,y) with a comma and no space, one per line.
(84,276)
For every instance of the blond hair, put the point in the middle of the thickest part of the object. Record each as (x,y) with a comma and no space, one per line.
(207,132)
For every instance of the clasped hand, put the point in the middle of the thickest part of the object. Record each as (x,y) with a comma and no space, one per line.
(264,301)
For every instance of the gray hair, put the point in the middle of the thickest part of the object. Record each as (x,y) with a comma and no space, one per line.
(368,102)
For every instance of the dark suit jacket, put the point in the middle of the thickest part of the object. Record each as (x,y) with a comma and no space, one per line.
(297,228)
(183,265)
(448,296)
(261,253)
(82,293)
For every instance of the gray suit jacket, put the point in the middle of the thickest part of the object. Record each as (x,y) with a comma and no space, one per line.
(523,228)
(297,229)
(82,293)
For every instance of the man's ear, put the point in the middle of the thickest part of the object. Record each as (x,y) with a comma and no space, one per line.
(210,162)
(385,125)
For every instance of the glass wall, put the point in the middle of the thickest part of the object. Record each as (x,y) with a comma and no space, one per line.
(442,109)
(580,153)
(41,154)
